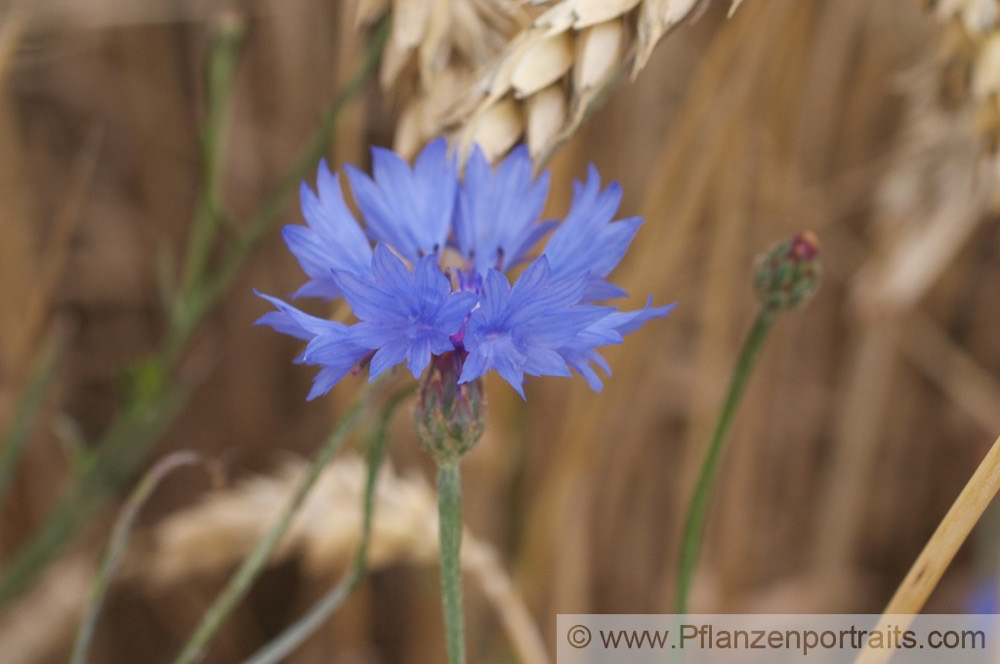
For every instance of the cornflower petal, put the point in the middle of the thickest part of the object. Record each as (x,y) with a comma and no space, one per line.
(329,344)
(581,361)
(625,322)
(408,209)
(404,316)
(294,322)
(387,357)
(546,362)
(588,242)
(496,219)
(544,324)
(324,381)
(519,330)
(331,240)
(580,352)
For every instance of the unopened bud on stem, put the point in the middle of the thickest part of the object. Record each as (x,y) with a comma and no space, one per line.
(450,418)
(787,275)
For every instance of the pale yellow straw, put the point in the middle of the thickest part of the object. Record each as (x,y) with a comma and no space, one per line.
(923,577)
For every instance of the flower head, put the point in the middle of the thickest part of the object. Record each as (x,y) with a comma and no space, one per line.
(546,323)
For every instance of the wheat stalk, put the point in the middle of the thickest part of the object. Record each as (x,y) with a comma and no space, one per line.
(930,566)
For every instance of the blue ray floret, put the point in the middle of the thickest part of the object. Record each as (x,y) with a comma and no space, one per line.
(549,322)
(588,242)
(332,240)
(404,315)
(497,220)
(520,330)
(321,334)
(408,209)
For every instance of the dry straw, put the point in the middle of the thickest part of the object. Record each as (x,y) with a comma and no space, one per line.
(930,566)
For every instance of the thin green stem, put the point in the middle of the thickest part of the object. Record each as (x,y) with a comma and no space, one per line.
(254,564)
(290,639)
(226,44)
(123,447)
(694,526)
(14,440)
(142,421)
(200,301)
(449,485)
(116,546)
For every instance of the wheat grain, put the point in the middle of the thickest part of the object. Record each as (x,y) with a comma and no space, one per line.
(433,54)
(489,72)
(575,48)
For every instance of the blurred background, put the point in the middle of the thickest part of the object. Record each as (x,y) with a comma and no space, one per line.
(872,124)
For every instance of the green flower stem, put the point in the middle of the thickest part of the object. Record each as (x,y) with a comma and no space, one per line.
(239,584)
(694,526)
(290,639)
(200,301)
(116,546)
(14,440)
(225,47)
(123,447)
(449,486)
(145,418)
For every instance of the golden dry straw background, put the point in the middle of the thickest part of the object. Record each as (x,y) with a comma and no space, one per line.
(874,124)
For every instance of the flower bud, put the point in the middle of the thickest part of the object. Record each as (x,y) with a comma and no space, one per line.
(450,418)
(787,275)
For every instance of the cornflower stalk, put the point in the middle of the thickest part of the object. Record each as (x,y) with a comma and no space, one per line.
(450,420)
(785,278)
(694,525)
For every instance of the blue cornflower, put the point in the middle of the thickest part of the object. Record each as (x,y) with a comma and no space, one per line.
(404,315)
(547,323)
